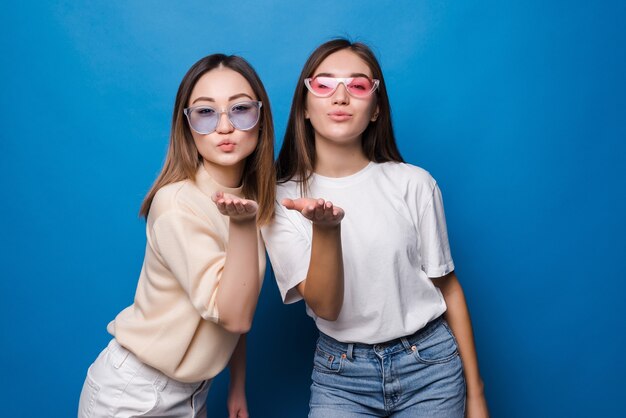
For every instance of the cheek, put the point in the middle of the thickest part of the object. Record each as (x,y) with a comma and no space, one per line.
(254,143)
(251,142)
(314,112)
(308,106)
(197,140)
(373,107)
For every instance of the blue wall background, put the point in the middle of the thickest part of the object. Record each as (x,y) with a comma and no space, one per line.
(518,108)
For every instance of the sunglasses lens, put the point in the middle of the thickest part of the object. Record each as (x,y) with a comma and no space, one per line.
(323,86)
(244,115)
(203,119)
(360,86)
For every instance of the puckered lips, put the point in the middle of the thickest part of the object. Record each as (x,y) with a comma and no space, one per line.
(339,115)
(226,145)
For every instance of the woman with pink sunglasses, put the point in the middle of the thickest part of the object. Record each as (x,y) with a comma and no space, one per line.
(204,260)
(361,237)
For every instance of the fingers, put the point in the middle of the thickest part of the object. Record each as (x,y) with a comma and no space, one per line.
(309,209)
(319,211)
(304,204)
(234,206)
(329,215)
(217,196)
(320,208)
(288,203)
(330,212)
(237,206)
(237,412)
(338,213)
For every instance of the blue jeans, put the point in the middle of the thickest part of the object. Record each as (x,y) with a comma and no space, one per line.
(415,376)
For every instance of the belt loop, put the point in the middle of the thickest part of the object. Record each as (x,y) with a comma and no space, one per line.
(406,344)
(161,382)
(118,355)
(350,349)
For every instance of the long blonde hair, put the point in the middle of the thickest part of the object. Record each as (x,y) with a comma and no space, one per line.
(183,160)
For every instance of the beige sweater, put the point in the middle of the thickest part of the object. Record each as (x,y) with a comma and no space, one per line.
(173,323)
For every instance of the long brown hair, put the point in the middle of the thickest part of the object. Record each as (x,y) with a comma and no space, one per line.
(183,160)
(297,154)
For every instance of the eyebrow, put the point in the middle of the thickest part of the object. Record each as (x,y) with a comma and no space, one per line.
(333,75)
(231,98)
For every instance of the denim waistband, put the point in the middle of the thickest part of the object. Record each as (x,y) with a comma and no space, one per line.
(406,343)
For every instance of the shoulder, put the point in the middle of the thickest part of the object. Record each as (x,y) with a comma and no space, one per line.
(172,197)
(408,174)
(289,189)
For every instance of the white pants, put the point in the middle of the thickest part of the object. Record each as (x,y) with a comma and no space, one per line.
(119,385)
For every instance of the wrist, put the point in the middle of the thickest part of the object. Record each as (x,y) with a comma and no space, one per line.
(326,228)
(237,387)
(251,220)
(475,388)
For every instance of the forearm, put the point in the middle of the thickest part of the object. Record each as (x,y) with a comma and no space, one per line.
(457,316)
(237,405)
(239,285)
(237,366)
(323,289)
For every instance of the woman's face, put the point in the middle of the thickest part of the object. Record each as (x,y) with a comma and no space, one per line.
(224,151)
(341,118)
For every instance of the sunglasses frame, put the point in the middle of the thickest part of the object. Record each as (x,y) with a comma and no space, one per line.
(257,103)
(341,80)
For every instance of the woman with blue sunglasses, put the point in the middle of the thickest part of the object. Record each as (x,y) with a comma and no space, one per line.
(204,260)
(361,237)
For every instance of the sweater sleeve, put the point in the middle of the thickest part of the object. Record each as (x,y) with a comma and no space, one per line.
(195,254)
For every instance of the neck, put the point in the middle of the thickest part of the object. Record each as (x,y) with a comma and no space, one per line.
(227,176)
(339,160)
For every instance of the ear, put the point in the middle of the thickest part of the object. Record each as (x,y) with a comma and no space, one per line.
(306,113)
(375,114)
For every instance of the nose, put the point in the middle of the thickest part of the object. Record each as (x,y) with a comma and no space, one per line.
(341,96)
(223,123)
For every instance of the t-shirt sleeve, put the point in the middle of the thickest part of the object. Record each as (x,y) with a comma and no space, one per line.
(288,245)
(434,245)
(195,255)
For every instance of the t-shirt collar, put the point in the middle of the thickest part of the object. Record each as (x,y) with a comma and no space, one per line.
(208,185)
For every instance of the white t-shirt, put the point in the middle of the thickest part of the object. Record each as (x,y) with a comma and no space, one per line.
(394,239)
